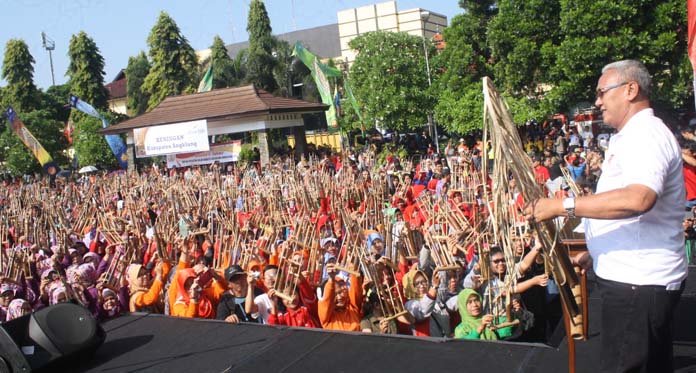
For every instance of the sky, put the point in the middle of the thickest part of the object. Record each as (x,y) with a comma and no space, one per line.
(120,27)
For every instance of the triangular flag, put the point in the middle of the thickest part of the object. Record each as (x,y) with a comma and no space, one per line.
(206,83)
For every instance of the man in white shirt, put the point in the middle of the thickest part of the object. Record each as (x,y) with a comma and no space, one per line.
(632,225)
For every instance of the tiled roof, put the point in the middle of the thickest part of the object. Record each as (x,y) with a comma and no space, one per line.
(117,89)
(216,104)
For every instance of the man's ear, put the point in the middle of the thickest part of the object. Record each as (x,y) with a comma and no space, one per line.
(633,91)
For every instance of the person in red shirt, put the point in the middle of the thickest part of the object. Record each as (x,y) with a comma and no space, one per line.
(689,170)
(295,314)
(541,173)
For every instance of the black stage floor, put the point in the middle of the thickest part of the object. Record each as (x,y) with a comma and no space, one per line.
(154,343)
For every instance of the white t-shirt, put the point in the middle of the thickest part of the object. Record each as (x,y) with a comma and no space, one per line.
(264,304)
(646,249)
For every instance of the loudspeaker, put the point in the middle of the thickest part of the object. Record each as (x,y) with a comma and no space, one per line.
(47,337)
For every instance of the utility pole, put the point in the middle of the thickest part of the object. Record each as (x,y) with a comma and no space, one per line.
(432,127)
(49,45)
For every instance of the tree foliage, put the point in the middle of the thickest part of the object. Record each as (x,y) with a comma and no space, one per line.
(90,149)
(54,101)
(174,64)
(390,81)
(136,71)
(260,61)
(41,123)
(545,56)
(465,60)
(225,72)
(18,71)
(598,32)
(520,37)
(86,71)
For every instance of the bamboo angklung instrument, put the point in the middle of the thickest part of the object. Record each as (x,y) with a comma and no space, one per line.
(508,148)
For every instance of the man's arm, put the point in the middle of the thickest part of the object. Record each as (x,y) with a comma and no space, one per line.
(629,201)
(688,158)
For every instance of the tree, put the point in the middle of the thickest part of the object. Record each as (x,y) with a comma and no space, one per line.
(283,73)
(18,71)
(173,60)
(19,159)
(86,71)
(240,64)
(390,81)
(224,69)
(650,31)
(260,60)
(520,37)
(90,149)
(54,101)
(464,62)
(137,70)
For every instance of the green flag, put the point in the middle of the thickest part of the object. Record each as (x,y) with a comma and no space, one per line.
(206,83)
(320,72)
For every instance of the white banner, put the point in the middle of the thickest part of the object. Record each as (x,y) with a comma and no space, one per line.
(224,152)
(176,138)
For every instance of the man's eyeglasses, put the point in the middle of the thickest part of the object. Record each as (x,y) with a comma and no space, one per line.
(498,261)
(603,90)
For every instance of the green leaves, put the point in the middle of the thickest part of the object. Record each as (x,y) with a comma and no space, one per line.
(91,148)
(86,71)
(138,68)
(47,130)
(18,71)
(390,80)
(260,62)
(174,64)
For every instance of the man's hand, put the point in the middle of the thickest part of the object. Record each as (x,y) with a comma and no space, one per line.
(384,326)
(542,209)
(541,280)
(232,319)
(436,280)
(331,270)
(582,260)
(159,270)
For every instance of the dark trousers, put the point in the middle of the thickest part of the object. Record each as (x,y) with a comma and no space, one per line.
(637,327)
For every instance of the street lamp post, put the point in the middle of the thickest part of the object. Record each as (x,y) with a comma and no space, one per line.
(425,15)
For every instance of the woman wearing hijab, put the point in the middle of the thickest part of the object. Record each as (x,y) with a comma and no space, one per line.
(198,292)
(474,324)
(144,291)
(421,299)
(341,307)
(18,308)
(112,304)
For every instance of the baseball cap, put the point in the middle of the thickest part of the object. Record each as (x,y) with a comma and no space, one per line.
(232,271)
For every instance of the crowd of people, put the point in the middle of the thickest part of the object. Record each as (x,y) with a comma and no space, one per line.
(334,242)
(205,243)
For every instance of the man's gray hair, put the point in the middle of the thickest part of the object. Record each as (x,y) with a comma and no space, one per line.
(632,70)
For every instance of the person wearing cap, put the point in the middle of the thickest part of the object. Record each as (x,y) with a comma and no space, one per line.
(633,228)
(237,303)
(341,307)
